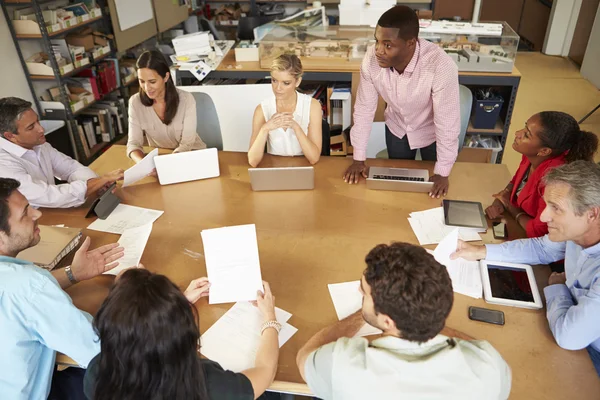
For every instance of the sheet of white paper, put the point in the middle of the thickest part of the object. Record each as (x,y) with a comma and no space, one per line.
(429,228)
(347,299)
(465,275)
(234,339)
(133,12)
(140,170)
(232,263)
(134,242)
(125,217)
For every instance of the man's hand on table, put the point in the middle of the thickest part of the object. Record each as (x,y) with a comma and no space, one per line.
(354,172)
(88,264)
(557,278)
(468,251)
(440,186)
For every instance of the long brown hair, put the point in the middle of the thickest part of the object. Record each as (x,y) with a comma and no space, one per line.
(154,60)
(148,337)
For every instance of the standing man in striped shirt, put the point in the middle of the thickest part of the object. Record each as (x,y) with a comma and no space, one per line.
(419,83)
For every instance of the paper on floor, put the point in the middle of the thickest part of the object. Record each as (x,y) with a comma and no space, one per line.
(232,263)
(140,170)
(429,227)
(133,242)
(125,217)
(234,339)
(347,299)
(465,275)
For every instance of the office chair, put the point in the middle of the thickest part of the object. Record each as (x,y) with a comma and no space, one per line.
(326,143)
(208,126)
(466,103)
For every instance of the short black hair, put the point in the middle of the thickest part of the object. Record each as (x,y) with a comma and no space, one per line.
(7,187)
(11,109)
(402,18)
(411,287)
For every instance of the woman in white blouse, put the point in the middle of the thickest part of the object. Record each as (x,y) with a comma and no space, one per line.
(165,115)
(288,122)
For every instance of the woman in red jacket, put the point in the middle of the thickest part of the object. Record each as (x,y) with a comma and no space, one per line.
(549,139)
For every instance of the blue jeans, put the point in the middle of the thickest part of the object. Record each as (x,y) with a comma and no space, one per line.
(595,356)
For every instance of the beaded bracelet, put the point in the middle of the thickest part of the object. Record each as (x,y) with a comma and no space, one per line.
(270,324)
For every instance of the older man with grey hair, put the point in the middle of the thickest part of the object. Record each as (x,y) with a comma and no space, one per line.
(572,213)
(26,157)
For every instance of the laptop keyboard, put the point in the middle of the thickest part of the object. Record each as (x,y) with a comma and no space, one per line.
(399,178)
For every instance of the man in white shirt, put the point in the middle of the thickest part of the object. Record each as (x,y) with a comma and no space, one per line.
(408,295)
(26,157)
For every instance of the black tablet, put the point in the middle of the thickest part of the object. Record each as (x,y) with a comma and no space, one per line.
(468,214)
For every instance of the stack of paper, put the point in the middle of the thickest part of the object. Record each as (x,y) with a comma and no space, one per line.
(234,339)
(465,275)
(125,217)
(192,44)
(429,227)
(232,263)
(347,299)
(133,242)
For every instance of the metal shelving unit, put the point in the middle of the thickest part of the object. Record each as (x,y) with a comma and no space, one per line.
(45,37)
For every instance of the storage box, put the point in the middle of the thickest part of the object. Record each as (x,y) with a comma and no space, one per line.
(244,54)
(80,94)
(486,113)
(39,68)
(99,51)
(485,142)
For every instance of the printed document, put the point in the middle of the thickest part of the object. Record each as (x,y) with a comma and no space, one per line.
(347,299)
(125,217)
(465,275)
(429,227)
(140,170)
(134,242)
(234,339)
(232,263)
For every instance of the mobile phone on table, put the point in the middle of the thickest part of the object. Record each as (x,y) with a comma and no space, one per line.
(485,315)
(499,229)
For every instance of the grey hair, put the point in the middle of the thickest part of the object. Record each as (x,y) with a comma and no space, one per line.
(583,178)
(11,110)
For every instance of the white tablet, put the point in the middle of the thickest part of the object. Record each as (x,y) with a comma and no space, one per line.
(509,284)
(187,166)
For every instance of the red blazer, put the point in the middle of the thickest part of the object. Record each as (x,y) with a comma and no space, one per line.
(530,199)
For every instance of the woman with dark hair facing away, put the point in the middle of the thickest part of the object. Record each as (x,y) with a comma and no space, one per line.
(549,139)
(149,339)
(165,115)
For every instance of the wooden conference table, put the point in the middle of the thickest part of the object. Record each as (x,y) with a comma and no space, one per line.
(308,239)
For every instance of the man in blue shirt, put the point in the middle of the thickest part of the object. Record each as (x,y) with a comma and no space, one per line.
(37,318)
(572,213)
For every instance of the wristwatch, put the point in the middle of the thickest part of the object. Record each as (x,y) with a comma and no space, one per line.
(70,274)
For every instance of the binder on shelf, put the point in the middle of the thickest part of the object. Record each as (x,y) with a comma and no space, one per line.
(55,244)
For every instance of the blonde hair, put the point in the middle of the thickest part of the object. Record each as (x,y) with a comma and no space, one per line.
(288,62)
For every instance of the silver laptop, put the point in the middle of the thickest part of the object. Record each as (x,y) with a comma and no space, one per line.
(289,178)
(399,179)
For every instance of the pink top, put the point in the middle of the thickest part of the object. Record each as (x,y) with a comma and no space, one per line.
(422,102)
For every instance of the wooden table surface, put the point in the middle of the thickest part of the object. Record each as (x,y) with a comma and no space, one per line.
(308,239)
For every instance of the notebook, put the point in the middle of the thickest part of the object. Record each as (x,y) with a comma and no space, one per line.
(54,245)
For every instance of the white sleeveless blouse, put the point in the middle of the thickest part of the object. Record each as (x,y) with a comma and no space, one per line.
(285,143)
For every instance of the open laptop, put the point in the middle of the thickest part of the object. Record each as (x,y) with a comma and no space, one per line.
(399,179)
(289,178)
(187,166)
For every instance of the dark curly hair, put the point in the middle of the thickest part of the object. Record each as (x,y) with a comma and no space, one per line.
(411,287)
(561,132)
(148,337)
(7,187)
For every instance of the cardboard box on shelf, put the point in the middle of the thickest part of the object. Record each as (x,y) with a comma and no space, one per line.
(36,65)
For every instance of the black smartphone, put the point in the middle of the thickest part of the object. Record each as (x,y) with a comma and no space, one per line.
(499,229)
(485,315)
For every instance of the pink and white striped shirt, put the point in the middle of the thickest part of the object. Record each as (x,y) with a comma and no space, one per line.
(422,102)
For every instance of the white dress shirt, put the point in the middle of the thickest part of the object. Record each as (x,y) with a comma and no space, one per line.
(36,169)
(393,368)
